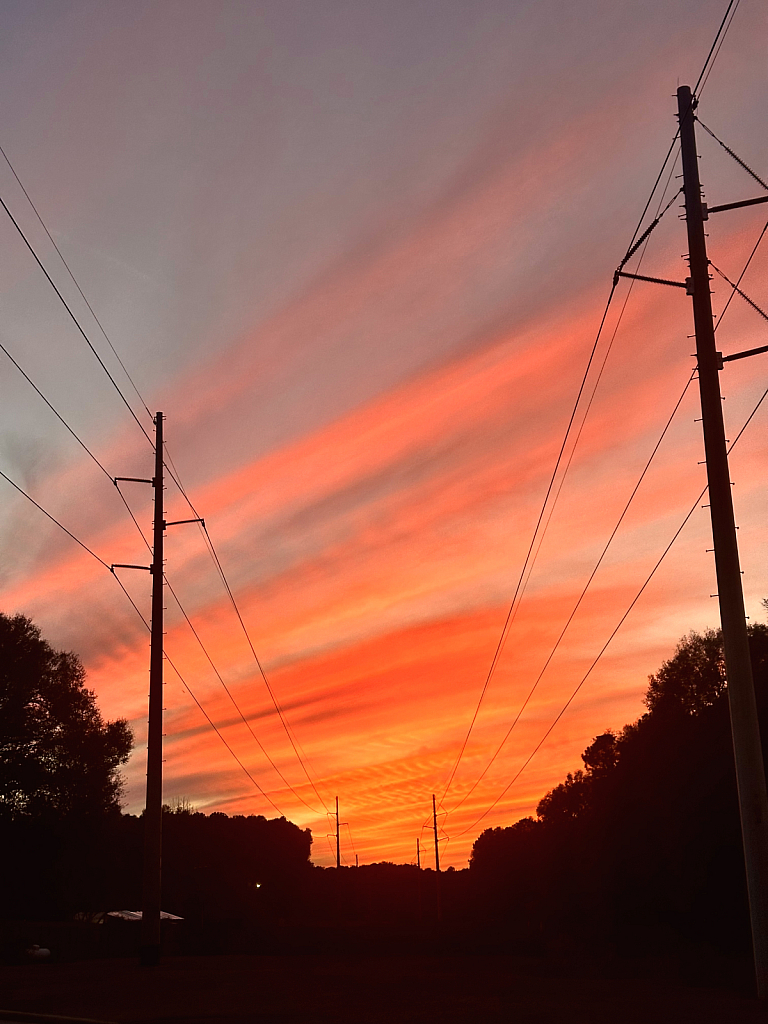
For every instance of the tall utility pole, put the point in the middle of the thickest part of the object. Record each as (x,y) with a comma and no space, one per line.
(437,859)
(338,842)
(153,813)
(750,772)
(418,854)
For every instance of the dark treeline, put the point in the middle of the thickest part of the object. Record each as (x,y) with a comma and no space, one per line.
(642,847)
(637,853)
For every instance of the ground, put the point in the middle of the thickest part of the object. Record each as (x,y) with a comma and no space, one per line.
(357,990)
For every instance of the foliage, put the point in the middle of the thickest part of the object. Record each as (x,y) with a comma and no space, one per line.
(57,755)
(693,679)
(647,835)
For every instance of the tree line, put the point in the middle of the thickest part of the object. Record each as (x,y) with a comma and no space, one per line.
(642,846)
(638,850)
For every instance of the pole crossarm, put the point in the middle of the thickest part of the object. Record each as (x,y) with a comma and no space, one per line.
(706,210)
(132,479)
(743,355)
(178,522)
(657,280)
(126,565)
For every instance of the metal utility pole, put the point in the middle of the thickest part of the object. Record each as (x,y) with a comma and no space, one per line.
(750,772)
(338,844)
(153,813)
(437,859)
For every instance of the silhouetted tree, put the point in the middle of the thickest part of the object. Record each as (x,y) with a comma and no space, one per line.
(646,838)
(59,779)
(57,755)
(691,680)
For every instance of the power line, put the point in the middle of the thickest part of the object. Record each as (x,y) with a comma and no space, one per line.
(259,665)
(706,67)
(173,474)
(741,275)
(232,699)
(143,619)
(75,320)
(738,159)
(216,729)
(507,621)
(351,840)
(54,520)
(301,756)
(643,240)
(736,289)
(581,596)
(645,470)
(613,634)
(74,279)
(722,32)
(77,438)
(632,248)
(530,562)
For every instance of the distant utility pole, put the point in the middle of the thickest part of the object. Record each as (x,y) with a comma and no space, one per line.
(418,854)
(437,859)
(338,842)
(750,772)
(153,813)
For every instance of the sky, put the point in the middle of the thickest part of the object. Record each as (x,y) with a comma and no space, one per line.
(358,254)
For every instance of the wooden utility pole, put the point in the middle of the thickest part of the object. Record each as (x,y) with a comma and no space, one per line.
(750,772)
(149,954)
(153,812)
(418,854)
(338,842)
(437,859)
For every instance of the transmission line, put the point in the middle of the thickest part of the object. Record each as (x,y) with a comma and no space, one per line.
(644,472)
(737,158)
(530,561)
(75,321)
(186,685)
(618,626)
(172,472)
(74,279)
(529,552)
(581,596)
(88,451)
(722,32)
(635,242)
(232,699)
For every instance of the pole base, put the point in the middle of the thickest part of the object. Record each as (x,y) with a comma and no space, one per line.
(149,956)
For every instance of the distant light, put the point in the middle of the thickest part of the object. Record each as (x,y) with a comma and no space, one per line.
(258,885)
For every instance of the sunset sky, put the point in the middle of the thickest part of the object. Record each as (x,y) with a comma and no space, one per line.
(358,253)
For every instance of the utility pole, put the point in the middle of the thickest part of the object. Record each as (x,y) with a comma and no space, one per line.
(434,826)
(153,813)
(418,854)
(437,859)
(750,772)
(149,954)
(338,843)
